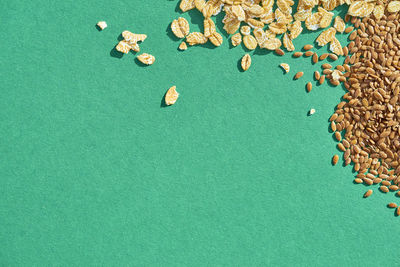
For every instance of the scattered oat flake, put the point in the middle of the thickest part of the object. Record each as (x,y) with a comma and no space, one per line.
(336,47)
(195,38)
(187,5)
(209,27)
(171,96)
(394,6)
(183,46)
(180,27)
(102,25)
(378,12)
(287,42)
(285,67)
(216,39)
(245,30)
(311,112)
(250,42)
(326,36)
(236,39)
(123,47)
(246,62)
(146,59)
(339,24)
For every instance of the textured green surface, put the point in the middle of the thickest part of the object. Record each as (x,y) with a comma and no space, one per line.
(94,172)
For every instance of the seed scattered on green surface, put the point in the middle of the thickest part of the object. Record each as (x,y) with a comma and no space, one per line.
(298,75)
(368,181)
(322,79)
(308,47)
(368,193)
(335,159)
(297,54)
(384,189)
(358,181)
(398,211)
(338,136)
(333,57)
(326,66)
(309,87)
(315,58)
(308,53)
(392,205)
(323,56)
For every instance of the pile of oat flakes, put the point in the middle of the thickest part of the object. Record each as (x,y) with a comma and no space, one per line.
(366,123)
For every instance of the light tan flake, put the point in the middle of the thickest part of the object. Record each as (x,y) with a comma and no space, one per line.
(255,23)
(393,6)
(209,27)
(250,42)
(260,35)
(146,59)
(339,24)
(123,47)
(326,36)
(378,12)
(238,12)
(285,6)
(336,47)
(312,22)
(171,96)
(285,67)
(245,30)
(180,27)
(231,25)
(196,38)
(302,14)
(287,42)
(102,25)
(199,4)
(216,39)
(282,18)
(236,39)
(246,62)
(311,112)
(271,44)
(133,37)
(361,8)
(326,20)
(183,46)
(134,46)
(295,29)
(277,28)
(186,5)
(331,4)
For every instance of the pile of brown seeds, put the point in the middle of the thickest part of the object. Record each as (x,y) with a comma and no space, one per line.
(367,122)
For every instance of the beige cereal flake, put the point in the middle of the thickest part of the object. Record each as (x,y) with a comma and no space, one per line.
(102,25)
(183,46)
(196,38)
(171,96)
(394,6)
(339,24)
(236,39)
(326,36)
(146,59)
(180,27)
(245,30)
(123,47)
(378,12)
(250,42)
(209,27)
(186,5)
(216,39)
(285,67)
(271,44)
(336,47)
(246,62)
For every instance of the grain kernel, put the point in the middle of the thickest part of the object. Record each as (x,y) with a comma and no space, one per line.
(298,75)
(335,159)
(309,87)
(368,193)
(307,47)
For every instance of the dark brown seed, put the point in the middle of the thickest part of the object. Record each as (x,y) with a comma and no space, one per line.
(384,189)
(315,58)
(333,56)
(326,66)
(307,47)
(309,87)
(322,79)
(297,54)
(338,137)
(368,193)
(279,52)
(317,75)
(298,75)
(392,205)
(349,29)
(308,53)
(335,159)
(323,56)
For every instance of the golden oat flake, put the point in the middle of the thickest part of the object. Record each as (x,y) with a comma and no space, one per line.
(271,44)
(339,24)
(123,47)
(238,12)
(379,11)
(285,67)
(287,42)
(195,38)
(361,8)
(245,30)
(260,35)
(326,20)
(133,37)
(394,6)
(183,46)
(186,5)
(236,39)
(216,39)
(312,22)
(246,62)
(277,28)
(326,36)
(209,27)
(336,47)
(146,59)
(180,27)
(295,29)
(171,96)
(250,42)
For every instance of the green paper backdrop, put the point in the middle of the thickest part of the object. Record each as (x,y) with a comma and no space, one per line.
(94,171)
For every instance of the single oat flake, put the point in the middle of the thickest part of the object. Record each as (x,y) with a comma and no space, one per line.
(246,62)
(171,96)
(183,46)
(102,25)
(285,67)
(146,59)
(180,27)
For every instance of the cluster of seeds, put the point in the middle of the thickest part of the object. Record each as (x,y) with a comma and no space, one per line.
(131,42)
(367,122)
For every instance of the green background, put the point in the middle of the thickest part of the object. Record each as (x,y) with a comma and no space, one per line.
(94,171)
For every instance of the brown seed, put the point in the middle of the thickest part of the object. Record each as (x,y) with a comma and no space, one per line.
(326,66)
(398,211)
(349,29)
(393,187)
(358,181)
(317,75)
(341,147)
(309,87)
(333,126)
(384,189)
(297,54)
(398,193)
(386,183)
(333,56)
(322,79)
(315,58)
(368,193)
(308,53)
(353,35)
(298,75)
(338,136)
(323,56)
(307,47)
(392,205)
(279,52)
(335,159)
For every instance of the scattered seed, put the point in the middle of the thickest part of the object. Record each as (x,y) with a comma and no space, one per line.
(384,189)
(308,47)
(315,58)
(309,87)
(308,53)
(368,193)
(333,56)
(335,159)
(298,75)
(326,66)
(279,52)
(358,181)
(297,54)
(349,29)
(392,205)
(322,79)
